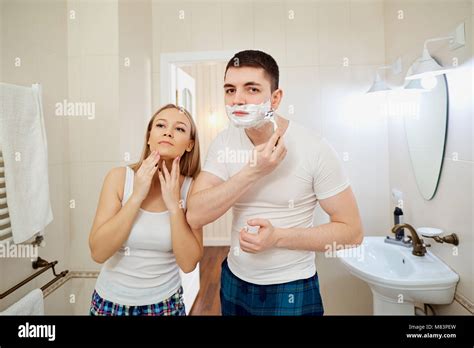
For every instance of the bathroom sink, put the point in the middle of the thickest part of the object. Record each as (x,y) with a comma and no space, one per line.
(398,279)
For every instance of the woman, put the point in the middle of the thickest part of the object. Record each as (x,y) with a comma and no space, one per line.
(140,233)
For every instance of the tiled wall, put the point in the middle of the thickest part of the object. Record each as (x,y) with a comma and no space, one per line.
(451,209)
(75,50)
(109,64)
(93,77)
(36,32)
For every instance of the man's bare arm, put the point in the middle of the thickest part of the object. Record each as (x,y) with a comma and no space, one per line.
(212,197)
(344,229)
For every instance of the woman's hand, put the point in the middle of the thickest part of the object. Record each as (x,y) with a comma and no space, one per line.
(170,189)
(144,176)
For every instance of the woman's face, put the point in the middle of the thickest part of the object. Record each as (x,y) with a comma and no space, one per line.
(170,134)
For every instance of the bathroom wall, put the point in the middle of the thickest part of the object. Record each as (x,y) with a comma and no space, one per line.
(311,41)
(1,39)
(110,65)
(97,53)
(452,207)
(93,78)
(36,33)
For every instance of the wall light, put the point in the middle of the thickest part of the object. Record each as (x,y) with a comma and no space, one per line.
(426,65)
(213,118)
(379,84)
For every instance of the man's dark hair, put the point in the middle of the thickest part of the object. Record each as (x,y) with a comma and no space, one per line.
(256,59)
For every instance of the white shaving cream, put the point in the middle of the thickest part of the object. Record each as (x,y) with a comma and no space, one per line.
(257,114)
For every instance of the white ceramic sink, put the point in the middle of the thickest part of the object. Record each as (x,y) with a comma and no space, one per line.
(398,279)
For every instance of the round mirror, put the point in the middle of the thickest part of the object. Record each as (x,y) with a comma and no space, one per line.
(426,131)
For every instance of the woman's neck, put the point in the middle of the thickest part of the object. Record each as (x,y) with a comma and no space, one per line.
(155,183)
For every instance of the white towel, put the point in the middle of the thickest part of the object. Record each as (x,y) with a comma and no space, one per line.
(31,304)
(23,136)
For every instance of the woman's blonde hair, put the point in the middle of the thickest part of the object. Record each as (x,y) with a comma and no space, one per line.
(190,162)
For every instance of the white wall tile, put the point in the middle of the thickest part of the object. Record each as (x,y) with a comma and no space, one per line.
(53,79)
(75,20)
(20,26)
(156,92)
(367,38)
(237,25)
(83,289)
(452,309)
(269,29)
(1,41)
(135,27)
(206,26)
(135,76)
(176,18)
(335,87)
(95,27)
(459,137)
(99,84)
(58,302)
(301,96)
(451,208)
(334,32)
(92,27)
(301,34)
(86,184)
(49,17)
(57,236)
(156,35)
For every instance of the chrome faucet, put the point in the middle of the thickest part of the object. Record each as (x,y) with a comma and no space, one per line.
(419,247)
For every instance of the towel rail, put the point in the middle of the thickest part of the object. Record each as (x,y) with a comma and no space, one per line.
(44,265)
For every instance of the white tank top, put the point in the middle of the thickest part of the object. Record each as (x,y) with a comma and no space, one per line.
(144,271)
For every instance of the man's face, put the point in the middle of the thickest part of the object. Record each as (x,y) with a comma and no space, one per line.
(246,85)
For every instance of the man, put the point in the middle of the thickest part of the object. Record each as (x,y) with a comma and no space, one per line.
(272,271)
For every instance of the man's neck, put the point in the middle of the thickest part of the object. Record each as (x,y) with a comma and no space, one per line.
(262,134)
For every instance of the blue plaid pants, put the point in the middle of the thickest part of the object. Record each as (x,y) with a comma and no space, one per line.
(296,298)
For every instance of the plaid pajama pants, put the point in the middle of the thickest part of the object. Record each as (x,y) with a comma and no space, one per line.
(296,298)
(173,305)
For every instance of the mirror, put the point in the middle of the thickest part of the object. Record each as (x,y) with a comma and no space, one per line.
(426,132)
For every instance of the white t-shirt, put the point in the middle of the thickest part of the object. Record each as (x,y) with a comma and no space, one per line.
(287,197)
(144,271)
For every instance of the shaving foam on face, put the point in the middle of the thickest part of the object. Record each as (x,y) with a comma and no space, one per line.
(256,115)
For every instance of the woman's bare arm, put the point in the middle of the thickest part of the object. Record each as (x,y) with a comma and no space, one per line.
(112,223)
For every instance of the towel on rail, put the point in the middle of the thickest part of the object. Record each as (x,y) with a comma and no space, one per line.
(31,304)
(25,155)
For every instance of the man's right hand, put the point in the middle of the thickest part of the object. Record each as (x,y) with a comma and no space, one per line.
(267,156)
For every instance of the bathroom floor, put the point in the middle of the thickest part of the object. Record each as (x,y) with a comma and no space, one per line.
(207,301)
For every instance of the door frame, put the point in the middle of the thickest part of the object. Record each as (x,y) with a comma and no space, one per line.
(167,60)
